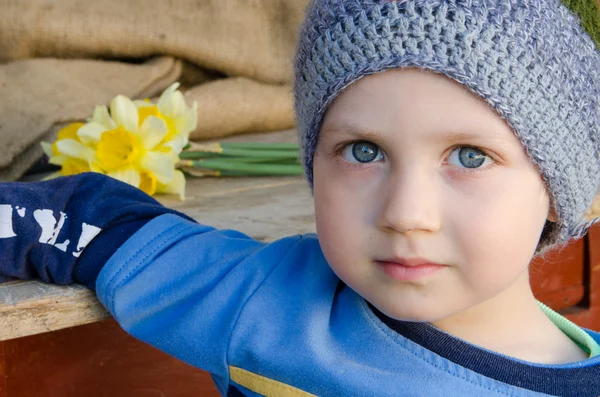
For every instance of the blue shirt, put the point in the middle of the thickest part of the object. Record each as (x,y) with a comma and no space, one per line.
(273,319)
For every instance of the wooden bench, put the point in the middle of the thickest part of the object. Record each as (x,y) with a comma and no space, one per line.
(59,341)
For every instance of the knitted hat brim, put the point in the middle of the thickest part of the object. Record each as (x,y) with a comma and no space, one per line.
(531,62)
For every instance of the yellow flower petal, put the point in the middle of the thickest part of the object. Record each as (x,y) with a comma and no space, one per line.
(74,166)
(124,113)
(140,103)
(52,176)
(168,103)
(178,106)
(192,115)
(159,164)
(47,148)
(148,183)
(176,144)
(173,132)
(148,110)
(72,148)
(152,131)
(91,132)
(69,132)
(117,149)
(128,175)
(58,160)
(102,117)
(94,167)
(185,125)
(177,186)
(187,122)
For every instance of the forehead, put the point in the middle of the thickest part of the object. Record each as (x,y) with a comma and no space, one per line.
(414,102)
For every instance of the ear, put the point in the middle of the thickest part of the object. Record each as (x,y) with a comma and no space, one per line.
(552,215)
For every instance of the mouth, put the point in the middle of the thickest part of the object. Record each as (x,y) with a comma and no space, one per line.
(408,269)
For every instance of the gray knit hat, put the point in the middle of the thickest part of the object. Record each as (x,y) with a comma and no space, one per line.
(534,61)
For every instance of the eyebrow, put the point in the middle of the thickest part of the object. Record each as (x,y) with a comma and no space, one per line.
(370,134)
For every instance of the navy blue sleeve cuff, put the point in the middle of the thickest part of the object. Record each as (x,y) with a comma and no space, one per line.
(64,230)
(101,248)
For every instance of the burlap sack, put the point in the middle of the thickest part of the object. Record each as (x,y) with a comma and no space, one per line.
(40,94)
(251,38)
(254,39)
(234,105)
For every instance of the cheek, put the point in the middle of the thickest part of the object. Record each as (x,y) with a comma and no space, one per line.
(498,225)
(340,217)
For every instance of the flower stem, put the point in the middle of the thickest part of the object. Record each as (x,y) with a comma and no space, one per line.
(196,153)
(249,168)
(260,146)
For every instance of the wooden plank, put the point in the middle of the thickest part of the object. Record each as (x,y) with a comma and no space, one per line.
(563,299)
(557,279)
(97,360)
(589,317)
(270,209)
(3,371)
(28,308)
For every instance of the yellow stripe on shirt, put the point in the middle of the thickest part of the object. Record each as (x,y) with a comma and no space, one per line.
(264,386)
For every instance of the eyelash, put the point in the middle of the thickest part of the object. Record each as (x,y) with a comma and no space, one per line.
(339,149)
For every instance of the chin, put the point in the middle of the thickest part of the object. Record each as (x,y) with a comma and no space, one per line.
(407,314)
(422,312)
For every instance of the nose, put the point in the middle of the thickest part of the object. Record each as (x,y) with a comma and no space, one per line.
(411,202)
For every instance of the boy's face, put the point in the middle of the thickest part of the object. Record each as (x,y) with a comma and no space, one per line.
(410,164)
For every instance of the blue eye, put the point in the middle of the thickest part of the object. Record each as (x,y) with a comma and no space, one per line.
(469,157)
(362,152)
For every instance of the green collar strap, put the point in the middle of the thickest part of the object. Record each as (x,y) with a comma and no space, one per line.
(573,331)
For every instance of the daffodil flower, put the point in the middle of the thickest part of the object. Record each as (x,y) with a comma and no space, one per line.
(181,119)
(132,151)
(69,152)
(136,142)
(177,185)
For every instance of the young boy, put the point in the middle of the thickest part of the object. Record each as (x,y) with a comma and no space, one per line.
(446,142)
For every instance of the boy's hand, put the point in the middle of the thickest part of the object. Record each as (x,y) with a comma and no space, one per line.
(64,230)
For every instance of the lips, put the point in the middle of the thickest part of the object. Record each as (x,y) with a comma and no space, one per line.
(409,269)
(411,262)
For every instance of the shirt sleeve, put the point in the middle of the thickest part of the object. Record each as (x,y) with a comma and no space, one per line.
(181,286)
(63,230)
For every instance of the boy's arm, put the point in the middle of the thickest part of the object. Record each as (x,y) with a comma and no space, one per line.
(169,281)
(182,286)
(64,230)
